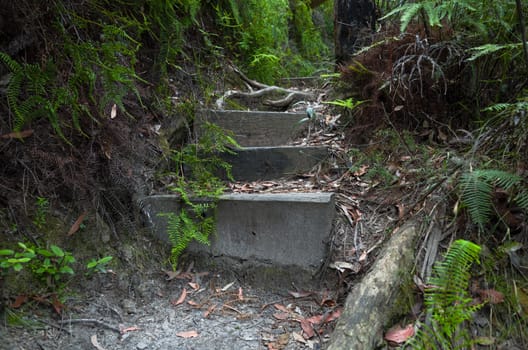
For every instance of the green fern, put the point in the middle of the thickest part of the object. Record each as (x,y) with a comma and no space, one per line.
(476,190)
(196,168)
(432,12)
(511,50)
(448,301)
(183,229)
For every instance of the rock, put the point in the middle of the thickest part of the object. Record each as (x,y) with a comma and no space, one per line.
(129,306)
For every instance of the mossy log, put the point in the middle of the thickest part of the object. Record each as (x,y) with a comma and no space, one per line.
(373,302)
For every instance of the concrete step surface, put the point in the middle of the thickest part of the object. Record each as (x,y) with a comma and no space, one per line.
(286,229)
(256,128)
(268,163)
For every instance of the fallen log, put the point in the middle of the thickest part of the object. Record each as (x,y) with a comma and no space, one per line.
(371,303)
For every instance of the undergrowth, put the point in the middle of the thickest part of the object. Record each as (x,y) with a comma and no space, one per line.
(447,300)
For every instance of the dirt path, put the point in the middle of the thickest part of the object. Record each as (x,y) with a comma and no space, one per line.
(195,310)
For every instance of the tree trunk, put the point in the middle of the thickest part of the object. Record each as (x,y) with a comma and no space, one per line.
(354,21)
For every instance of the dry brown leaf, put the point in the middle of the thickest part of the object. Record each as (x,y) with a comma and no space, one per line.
(281,308)
(172,274)
(315,319)
(18,134)
(399,335)
(95,343)
(19,301)
(181,299)
(308,331)
(187,334)
(57,305)
(281,316)
(192,303)
(129,329)
(194,286)
(401,210)
(209,310)
(334,315)
(491,295)
(77,224)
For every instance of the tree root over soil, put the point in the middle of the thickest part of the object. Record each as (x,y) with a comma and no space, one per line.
(264,90)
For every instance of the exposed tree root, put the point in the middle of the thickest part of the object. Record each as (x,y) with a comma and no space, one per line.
(263,90)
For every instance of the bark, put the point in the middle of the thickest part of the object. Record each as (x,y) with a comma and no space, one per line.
(354,20)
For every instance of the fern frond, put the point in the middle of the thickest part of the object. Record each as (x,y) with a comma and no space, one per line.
(489,49)
(476,196)
(476,191)
(448,299)
(522,199)
(13,65)
(409,12)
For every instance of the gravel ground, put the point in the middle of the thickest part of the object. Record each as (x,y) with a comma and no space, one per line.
(194,310)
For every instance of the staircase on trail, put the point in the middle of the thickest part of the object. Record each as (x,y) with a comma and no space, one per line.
(285,231)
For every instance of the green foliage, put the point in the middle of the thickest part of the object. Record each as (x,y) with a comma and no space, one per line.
(42,211)
(47,265)
(98,265)
(32,93)
(196,171)
(448,301)
(349,103)
(476,189)
(259,31)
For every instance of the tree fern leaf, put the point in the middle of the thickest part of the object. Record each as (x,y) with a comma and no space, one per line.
(409,13)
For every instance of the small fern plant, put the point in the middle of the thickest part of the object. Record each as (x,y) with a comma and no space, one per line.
(32,93)
(197,168)
(448,302)
(476,192)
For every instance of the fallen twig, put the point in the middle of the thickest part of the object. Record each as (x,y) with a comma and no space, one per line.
(93,322)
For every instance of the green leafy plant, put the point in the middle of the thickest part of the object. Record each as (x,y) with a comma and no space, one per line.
(98,265)
(476,190)
(47,265)
(197,168)
(448,302)
(9,259)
